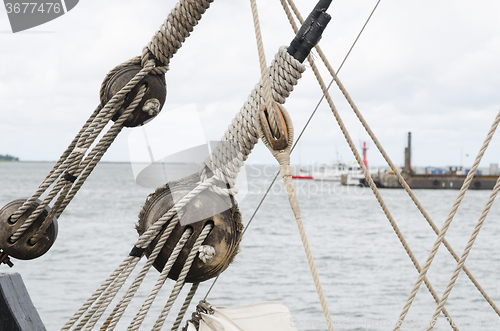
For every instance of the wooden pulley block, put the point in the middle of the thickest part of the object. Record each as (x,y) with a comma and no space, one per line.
(154,99)
(22,248)
(277,143)
(207,207)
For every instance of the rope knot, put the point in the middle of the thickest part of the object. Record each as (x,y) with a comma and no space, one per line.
(206,253)
(152,107)
(214,183)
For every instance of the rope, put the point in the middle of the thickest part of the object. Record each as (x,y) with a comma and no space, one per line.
(372,184)
(185,307)
(465,253)
(365,171)
(238,141)
(243,232)
(73,165)
(283,158)
(381,149)
(99,301)
(95,156)
(182,277)
(263,69)
(162,47)
(141,314)
(448,221)
(176,28)
(97,294)
(127,298)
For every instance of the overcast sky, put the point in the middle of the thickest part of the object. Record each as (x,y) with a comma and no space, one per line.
(429,67)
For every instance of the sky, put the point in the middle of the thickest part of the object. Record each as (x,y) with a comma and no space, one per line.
(426,67)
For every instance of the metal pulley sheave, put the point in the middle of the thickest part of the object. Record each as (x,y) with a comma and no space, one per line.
(207,207)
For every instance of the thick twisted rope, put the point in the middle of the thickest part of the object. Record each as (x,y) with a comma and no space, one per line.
(283,158)
(241,136)
(284,72)
(176,28)
(448,221)
(465,254)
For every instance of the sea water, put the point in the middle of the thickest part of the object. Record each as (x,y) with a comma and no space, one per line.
(365,273)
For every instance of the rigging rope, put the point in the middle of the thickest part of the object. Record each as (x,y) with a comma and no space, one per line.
(224,162)
(283,158)
(365,171)
(72,166)
(226,171)
(268,97)
(466,252)
(379,146)
(448,221)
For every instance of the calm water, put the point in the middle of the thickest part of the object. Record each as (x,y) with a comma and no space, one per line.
(365,273)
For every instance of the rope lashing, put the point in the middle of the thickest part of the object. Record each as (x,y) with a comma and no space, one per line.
(238,141)
(280,148)
(120,91)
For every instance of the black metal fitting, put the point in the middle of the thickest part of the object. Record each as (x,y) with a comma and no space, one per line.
(310,32)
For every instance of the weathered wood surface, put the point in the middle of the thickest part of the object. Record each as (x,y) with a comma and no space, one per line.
(17,312)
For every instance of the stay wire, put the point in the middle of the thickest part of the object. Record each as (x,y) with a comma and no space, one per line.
(294,145)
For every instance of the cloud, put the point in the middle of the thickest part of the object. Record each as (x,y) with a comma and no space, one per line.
(421,67)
